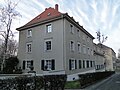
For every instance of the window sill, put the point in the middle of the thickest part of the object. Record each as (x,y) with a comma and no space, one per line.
(29,36)
(48,50)
(29,52)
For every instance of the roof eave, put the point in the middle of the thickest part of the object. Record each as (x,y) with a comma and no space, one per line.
(39,23)
(71,19)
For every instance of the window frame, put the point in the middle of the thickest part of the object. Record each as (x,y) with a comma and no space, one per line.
(79,47)
(83,63)
(80,64)
(71,29)
(84,49)
(49,63)
(47,28)
(72,64)
(29,47)
(87,64)
(28,64)
(29,33)
(72,45)
(78,31)
(45,45)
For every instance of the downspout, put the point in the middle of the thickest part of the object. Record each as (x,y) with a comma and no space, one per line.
(64,63)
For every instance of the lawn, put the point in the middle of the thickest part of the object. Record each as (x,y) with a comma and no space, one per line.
(72,85)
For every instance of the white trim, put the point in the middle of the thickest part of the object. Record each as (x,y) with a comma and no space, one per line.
(46,31)
(45,47)
(72,47)
(30,43)
(72,62)
(79,48)
(29,33)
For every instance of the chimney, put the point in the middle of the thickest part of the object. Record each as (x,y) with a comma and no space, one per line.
(56,7)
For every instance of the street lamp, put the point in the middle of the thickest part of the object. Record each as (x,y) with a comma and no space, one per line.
(33,73)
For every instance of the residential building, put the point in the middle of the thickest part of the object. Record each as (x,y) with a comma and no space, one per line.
(117,64)
(99,58)
(54,41)
(110,57)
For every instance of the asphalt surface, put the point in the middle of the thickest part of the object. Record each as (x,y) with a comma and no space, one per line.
(111,83)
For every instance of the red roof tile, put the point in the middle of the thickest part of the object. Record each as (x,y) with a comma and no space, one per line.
(48,13)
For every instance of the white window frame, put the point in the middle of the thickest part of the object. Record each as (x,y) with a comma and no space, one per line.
(28,64)
(29,33)
(49,28)
(72,64)
(48,63)
(72,45)
(27,47)
(45,45)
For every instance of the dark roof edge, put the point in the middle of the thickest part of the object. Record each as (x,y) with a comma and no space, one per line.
(38,23)
(71,19)
(65,15)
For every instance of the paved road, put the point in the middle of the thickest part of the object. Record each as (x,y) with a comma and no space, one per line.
(111,83)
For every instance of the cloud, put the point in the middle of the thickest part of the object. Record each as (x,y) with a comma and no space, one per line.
(91,14)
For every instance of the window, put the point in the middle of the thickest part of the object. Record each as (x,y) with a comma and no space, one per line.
(79,47)
(88,50)
(29,47)
(91,52)
(91,64)
(49,28)
(48,64)
(87,39)
(83,64)
(83,37)
(80,64)
(78,32)
(27,64)
(84,49)
(71,29)
(29,33)
(72,46)
(87,63)
(48,45)
(72,64)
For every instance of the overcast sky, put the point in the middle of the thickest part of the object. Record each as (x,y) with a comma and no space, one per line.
(93,15)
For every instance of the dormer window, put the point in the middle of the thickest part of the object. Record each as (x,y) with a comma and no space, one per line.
(49,14)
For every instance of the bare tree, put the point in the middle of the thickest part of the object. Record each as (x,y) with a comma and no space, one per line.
(7,14)
(101,38)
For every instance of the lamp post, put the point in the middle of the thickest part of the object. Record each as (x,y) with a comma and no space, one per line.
(33,72)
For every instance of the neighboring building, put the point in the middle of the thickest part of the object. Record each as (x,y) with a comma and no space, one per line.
(56,42)
(99,58)
(110,57)
(118,64)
